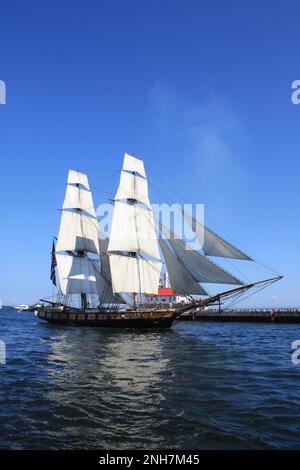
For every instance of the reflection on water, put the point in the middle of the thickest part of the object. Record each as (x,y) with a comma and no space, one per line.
(199,385)
(110,379)
(130,361)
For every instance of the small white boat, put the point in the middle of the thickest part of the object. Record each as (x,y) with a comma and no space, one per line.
(22,307)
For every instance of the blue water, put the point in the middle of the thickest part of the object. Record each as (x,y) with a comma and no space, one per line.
(196,386)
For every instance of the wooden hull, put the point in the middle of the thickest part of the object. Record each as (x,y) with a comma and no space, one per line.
(129,319)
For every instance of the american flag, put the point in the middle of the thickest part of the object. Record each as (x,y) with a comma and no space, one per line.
(53,264)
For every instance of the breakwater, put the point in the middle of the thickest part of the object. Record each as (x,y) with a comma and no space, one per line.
(288,315)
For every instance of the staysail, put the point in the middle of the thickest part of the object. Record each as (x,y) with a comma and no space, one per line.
(104,268)
(182,281)
(213,244)
(203,269)
(104,258)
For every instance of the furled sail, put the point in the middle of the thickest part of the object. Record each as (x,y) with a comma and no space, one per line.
(201,267)
(182,281)
(130,274)
(133,232)
(213,244)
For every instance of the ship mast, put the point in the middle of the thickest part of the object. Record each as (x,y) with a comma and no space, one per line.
(129,262)
(132,201)
(133,246)
(81,253)
(78,238)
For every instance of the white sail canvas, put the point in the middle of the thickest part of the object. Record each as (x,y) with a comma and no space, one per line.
(132,163)
(131,274)
(133,187)
(76,177)
(78,198)
(77,232)
(133,230)
(213,244)
(76,275)
(201,267)
(182,281)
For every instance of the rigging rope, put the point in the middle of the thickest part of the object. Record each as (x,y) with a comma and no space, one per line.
(251,293)
(254,257)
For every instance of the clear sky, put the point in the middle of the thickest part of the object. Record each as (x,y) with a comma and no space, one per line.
(201,89)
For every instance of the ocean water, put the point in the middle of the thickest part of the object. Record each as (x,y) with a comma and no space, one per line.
(197,386)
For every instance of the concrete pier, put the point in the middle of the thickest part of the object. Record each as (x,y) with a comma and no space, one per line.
(289,315)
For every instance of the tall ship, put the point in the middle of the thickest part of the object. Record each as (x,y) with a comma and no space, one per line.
(106,281)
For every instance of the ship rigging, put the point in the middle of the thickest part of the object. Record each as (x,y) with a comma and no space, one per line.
(110,276)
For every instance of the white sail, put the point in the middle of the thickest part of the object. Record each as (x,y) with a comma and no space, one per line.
(181,279)
(201,267)
(131,274)
(75,177)
(133,164)
(78,198)
(76,275)
(77,232)
(133,230)
(213,244)
(133,186)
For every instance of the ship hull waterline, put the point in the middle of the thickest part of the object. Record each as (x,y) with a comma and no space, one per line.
(112,320)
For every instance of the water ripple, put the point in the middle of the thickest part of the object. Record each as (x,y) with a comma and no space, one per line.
(199,385)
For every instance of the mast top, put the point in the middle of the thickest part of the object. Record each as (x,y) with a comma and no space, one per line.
(134,164)
(133,155)
(77,178)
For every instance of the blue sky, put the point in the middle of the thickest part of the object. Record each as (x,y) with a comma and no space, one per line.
(200,89)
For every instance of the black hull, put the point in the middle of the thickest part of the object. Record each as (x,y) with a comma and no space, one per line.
(161,323)
(129,320)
